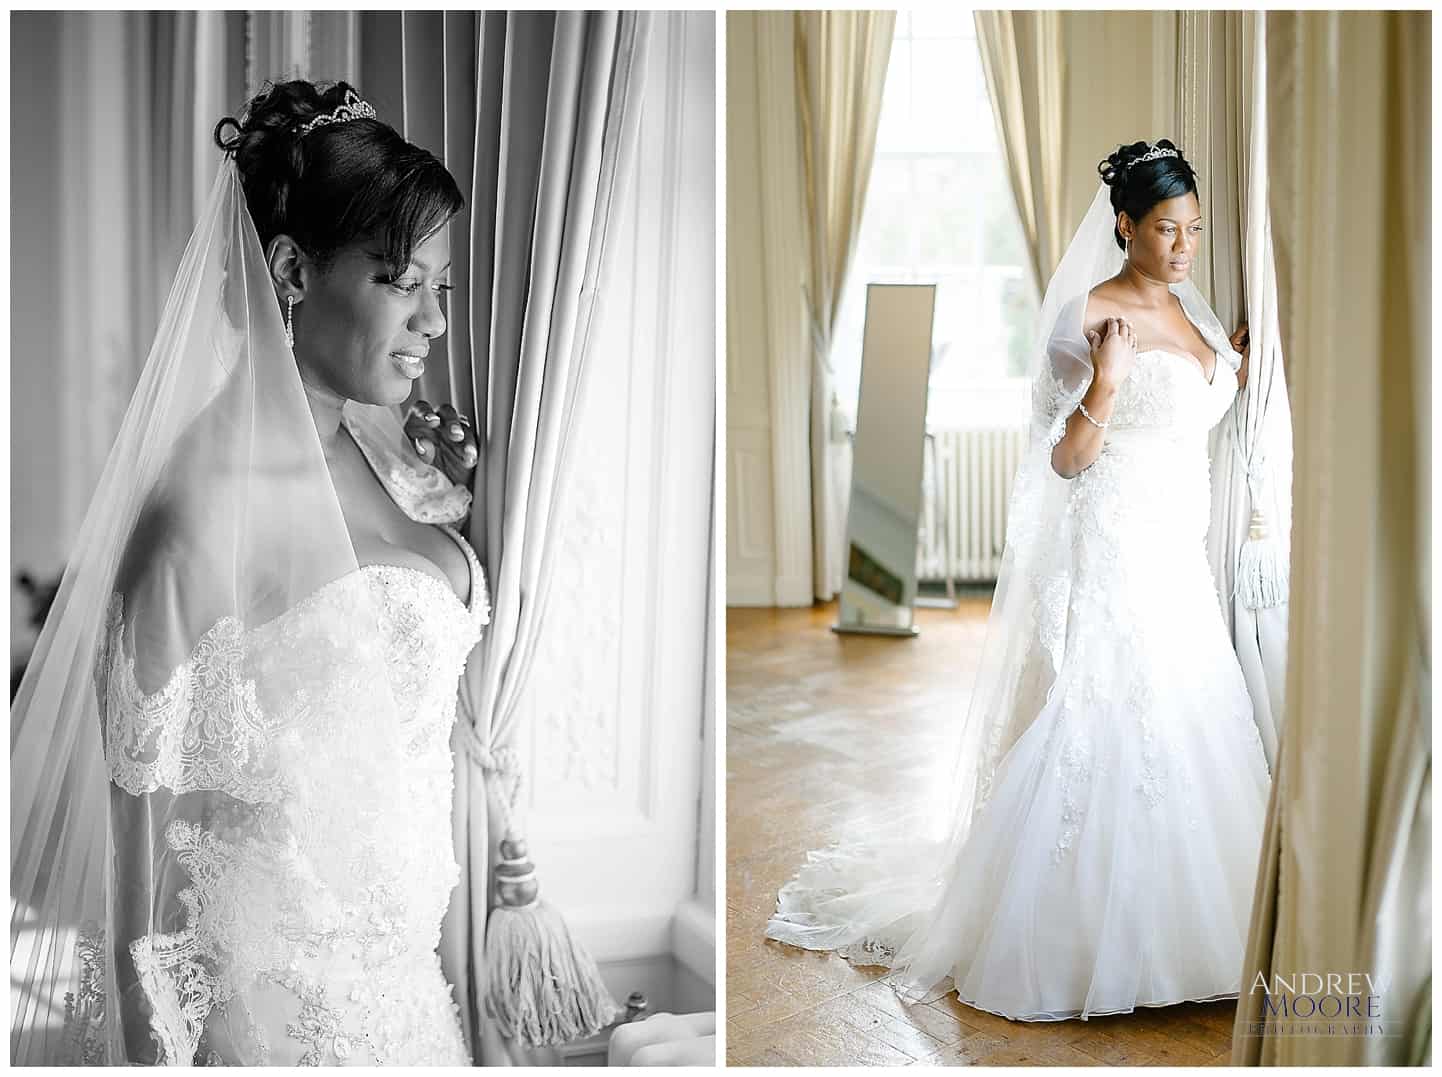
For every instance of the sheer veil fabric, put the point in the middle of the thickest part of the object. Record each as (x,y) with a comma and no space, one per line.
(147,727)
(874,897)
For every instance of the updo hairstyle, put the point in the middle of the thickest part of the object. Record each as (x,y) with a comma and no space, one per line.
(338,182)
(1137,186)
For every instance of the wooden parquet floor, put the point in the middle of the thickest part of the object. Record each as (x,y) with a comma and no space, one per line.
(820,729)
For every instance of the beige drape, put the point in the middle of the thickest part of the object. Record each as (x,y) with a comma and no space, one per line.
(841,61)
(1025,65)
(536,115)
(1221,126)
(1344,884)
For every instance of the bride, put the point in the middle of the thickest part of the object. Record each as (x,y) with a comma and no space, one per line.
(1112,786)
(231,771)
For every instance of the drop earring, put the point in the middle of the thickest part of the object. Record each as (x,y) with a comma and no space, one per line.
(290,321)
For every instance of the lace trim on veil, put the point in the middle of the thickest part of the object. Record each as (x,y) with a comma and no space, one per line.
(202,731)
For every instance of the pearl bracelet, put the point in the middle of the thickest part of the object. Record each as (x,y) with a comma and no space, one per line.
(1088,417)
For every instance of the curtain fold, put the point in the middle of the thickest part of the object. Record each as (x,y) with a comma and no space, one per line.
(841,61)
(537,114)
(140,91)
(1344,884)
(1025,66)
(1221,126)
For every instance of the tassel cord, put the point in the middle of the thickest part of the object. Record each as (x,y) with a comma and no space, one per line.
(542,987)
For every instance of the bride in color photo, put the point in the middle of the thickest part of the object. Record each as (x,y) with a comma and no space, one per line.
(1110,806)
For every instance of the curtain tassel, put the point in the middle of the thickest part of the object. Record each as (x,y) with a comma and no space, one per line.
(1262,573)
(542,986)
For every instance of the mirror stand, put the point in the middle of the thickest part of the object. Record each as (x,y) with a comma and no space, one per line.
(878,594)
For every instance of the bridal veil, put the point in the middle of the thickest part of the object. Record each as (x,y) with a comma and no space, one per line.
(145,725)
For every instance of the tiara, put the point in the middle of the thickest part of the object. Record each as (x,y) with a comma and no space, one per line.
(1155,154)
(352,108)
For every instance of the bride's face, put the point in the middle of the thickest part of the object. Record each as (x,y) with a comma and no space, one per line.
(1165,242)
(364,336)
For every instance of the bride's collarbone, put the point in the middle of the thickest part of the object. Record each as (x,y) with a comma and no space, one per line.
(382,534)
(1156,331)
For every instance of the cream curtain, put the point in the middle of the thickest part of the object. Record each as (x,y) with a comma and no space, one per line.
(1025,65)
(1344,884)
(536,115)
(1221,125)
(841,61)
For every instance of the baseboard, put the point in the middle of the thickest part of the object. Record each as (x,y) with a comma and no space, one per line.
(743,590)
(693,939)
(794,590)
(630,937)
(768,592)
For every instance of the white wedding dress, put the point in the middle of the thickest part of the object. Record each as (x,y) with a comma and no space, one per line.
(1111,860)
(297,891)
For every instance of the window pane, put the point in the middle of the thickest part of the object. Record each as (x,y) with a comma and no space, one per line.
(889,222)
(939,209)
(942,95)
(943,22)
(894,131)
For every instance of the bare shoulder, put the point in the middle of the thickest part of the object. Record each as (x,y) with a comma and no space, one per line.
(1103,301)
(184,533)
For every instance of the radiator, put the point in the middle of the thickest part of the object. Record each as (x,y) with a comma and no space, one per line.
(965,488)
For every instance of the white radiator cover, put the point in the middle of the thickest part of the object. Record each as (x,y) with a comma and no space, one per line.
(965,493)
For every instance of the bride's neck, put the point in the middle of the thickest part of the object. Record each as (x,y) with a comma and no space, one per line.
(1150,291)
(325,408)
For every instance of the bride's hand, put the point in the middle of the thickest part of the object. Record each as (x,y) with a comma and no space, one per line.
(443,437)
(1114,350)
(1241,342)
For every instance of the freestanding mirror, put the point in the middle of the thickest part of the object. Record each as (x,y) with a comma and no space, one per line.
(886,461)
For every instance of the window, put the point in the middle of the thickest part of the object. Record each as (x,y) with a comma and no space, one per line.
(939,208)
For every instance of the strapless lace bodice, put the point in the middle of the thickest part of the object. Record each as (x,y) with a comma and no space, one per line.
(1150,485)
(308,832)
(1168,391)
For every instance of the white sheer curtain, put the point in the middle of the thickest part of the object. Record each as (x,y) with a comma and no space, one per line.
(1222,127)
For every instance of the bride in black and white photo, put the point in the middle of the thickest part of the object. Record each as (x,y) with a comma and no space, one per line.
(266,806)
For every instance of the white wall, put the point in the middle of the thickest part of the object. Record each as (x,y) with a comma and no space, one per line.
(768,381)
(1129,95)
(615,711)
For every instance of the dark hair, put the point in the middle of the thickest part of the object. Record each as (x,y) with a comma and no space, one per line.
(1137,186)
(338,182)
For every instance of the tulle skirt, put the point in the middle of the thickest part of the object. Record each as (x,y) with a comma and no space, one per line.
(1106,872)
(1113,861)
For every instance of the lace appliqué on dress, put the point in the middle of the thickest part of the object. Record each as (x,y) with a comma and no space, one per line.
(319,1025)
(335,890)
